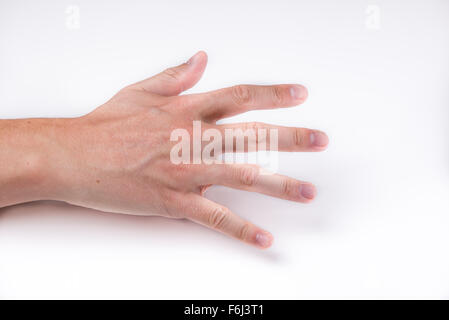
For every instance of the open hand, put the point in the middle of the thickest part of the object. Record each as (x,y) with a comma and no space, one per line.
(117,158)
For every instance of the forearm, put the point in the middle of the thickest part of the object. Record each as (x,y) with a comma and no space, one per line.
(26,146)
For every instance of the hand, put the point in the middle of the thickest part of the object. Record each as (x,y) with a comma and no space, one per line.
(117,158)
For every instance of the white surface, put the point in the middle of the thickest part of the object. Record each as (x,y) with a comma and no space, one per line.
(379,227)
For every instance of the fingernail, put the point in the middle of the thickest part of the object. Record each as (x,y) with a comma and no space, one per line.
(264,239)
(318,139)
(298,92)
(307,191)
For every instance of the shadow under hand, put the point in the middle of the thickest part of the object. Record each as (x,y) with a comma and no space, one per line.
(67,225)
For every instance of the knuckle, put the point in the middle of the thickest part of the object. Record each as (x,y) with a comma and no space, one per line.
(241,94)
(248,176)
(218,218)
(243,231)
(277,95)
(287,187)
(254,128)
(297,137)
(174,76)
(172,73)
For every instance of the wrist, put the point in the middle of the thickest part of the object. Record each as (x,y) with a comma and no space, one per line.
(54,159)
(28,170)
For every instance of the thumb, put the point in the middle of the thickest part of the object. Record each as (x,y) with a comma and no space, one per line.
(175,80)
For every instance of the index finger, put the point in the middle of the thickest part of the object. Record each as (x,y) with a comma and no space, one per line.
(230,101)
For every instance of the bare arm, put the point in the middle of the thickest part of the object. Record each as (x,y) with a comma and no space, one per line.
(118,158)
(26,146)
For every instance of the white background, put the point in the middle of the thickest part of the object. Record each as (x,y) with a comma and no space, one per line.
(379,227)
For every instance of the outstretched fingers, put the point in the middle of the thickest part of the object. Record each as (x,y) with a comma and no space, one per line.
(230,101)
(252,178)
(287,139)
(220,218)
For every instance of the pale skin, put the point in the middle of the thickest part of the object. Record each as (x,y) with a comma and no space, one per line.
(117,158)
